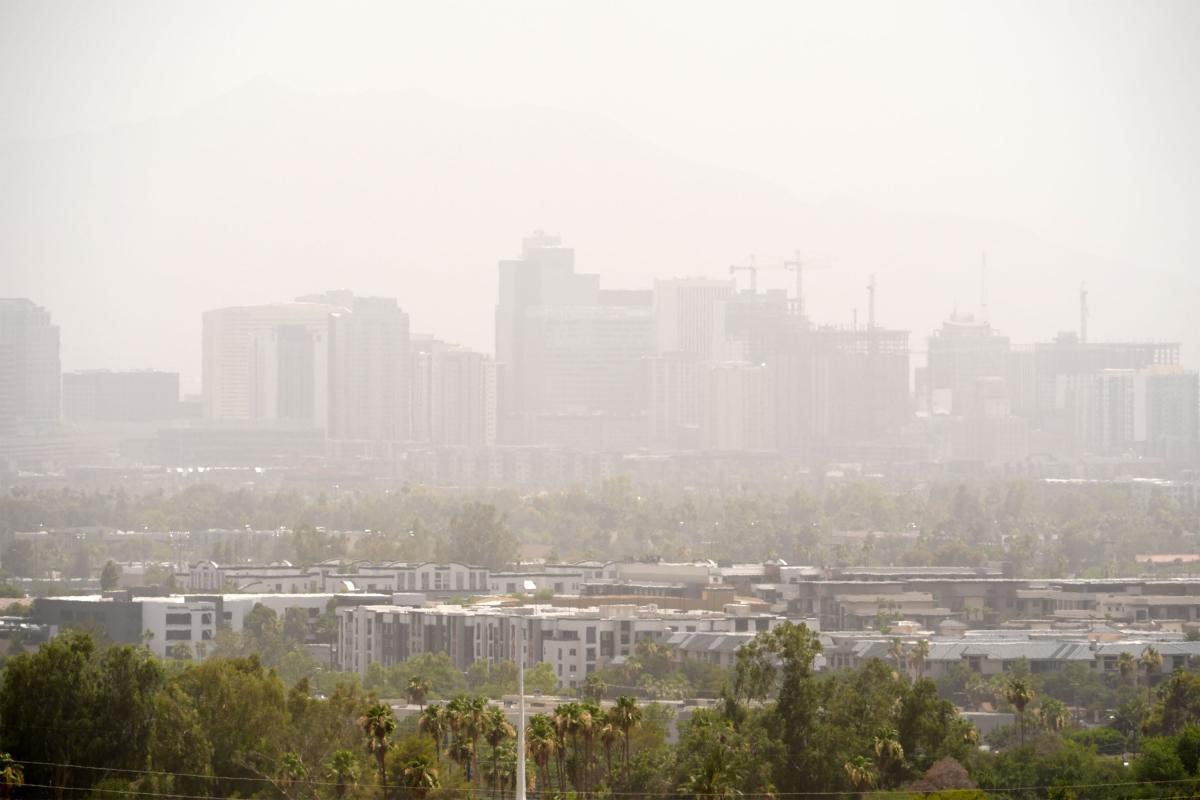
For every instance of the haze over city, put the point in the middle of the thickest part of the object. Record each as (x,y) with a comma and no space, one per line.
(163,162)
(508,400)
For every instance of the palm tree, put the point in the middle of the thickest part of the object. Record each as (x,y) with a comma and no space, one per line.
(888,749)
(433,722)
(627,716)
(457,719)
(12,775)
(609,732)
(291,772)
(861,773)
(717,778)
(586,724)
(900,653)
(1053,714)
(920,653)
(342,769)
(1127,666)
(418,689)
(378,724)
(474,729)
(1019,694)
(564,725)
(542,741)
(1152,661)
(501,771)
(496,730)
(419,776)
(595,687)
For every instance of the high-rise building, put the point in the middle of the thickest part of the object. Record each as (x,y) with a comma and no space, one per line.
(689,317)
(133,396)
(290,375)
(1169,422)
(267,362)
(962,351)
(30,370)
(736,407)
(568,355)
(1101,408)
(423,353)
(674,401)
(369,364)
(464,399)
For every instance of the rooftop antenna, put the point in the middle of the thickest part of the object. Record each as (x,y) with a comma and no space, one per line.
(871,303)
(1083,312)
(983,298)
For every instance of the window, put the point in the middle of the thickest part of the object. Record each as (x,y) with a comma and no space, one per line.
(179,635)
(227,615)
(571,652)
(591,654)
(206,618)
(179,619)
(591,634)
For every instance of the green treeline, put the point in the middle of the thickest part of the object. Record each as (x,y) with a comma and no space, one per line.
(116,722)
(1043,530)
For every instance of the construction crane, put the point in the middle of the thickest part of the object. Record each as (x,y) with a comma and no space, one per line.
(797,266)
(871,303)
(752,269)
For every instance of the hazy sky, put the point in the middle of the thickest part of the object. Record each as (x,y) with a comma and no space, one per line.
(1078,121)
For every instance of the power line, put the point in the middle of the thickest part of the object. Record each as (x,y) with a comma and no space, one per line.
(1109,785)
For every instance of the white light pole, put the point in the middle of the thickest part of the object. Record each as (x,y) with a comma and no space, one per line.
(520,793)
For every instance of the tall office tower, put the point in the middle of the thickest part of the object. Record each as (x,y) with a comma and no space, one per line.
(463,398)
(369,373)
(290,375)
(674,401)
(135,396)
(30,370)
(1168,419)
(568,355)
(985,430)
(689,316)
(1066,355)
(267,362)
(543,277)
(423,350)
(960,353)
(587,360)
(736,411)
(862,377)
(1101,409)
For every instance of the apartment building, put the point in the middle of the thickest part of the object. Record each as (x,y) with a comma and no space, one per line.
(574,641)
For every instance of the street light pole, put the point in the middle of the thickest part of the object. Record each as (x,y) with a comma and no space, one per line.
(520,791)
